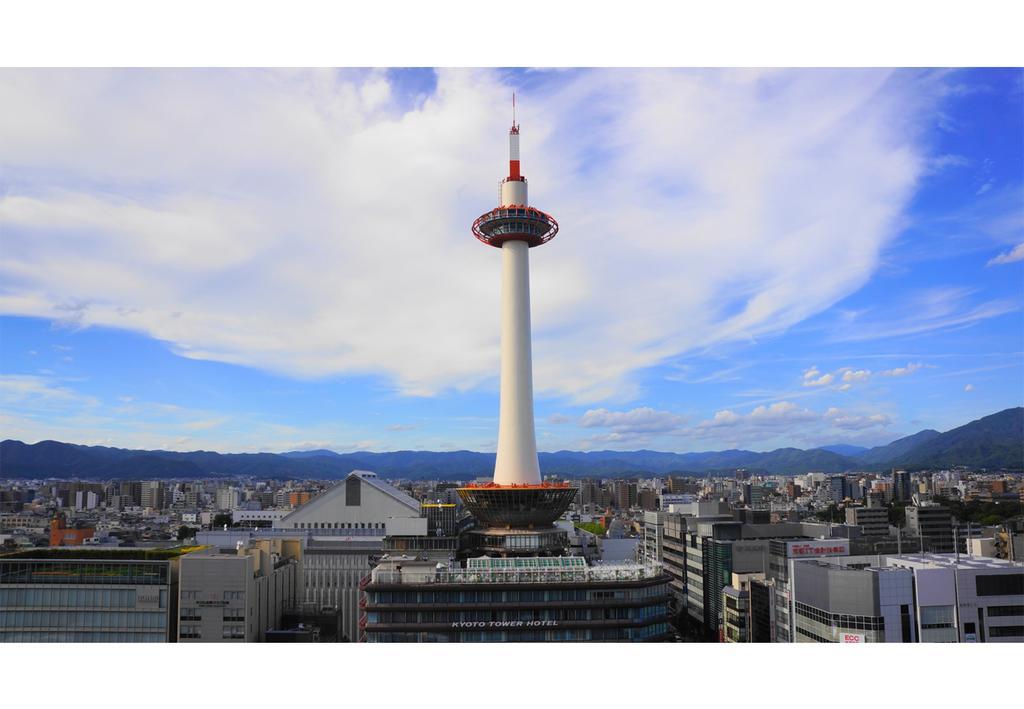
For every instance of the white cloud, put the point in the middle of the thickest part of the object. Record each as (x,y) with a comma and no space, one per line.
(1013,255)
(930,310)
(856,375)
(308,223)
(814,378)
(782,413)
(26,390)
(969,388)
(640,420)
(902,371)
(402,427)
(941,162)
(846,421)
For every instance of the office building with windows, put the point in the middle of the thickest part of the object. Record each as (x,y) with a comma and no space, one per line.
(873,521)
(934,525)
(966,599)
(238,595)
(851,600)
(654,536)
(673,559)
(87,595)
(901,488)
(737,616)
(515,599)
(782,555)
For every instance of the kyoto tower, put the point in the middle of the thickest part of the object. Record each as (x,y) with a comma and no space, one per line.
(517,499)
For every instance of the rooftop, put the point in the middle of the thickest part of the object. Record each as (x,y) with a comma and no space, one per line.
(961,561)
(104,554)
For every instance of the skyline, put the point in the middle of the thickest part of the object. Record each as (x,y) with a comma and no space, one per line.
(198,281)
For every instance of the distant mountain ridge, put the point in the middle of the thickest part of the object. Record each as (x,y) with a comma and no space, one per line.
(995,441)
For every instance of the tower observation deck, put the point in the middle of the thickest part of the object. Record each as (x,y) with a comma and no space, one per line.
(517,500)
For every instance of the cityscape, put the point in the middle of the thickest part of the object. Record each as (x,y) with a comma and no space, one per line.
(622,500)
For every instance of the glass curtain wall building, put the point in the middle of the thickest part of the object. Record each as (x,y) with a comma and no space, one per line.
(70,599)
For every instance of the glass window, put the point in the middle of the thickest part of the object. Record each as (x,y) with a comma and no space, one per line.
(999,584)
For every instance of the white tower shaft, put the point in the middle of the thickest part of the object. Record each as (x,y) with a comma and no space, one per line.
(517,441)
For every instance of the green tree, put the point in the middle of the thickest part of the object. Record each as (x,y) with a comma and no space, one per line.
(220,519)
(185,532)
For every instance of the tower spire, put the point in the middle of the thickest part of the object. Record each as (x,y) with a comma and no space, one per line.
(513,146)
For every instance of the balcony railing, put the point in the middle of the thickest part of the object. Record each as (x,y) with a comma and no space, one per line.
(602,573)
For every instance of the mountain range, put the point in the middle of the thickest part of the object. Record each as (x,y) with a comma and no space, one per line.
(992,442)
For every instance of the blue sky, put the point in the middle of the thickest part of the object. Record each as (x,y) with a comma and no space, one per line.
(238,260)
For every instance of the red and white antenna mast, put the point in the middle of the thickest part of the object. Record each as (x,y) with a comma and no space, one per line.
(513,146)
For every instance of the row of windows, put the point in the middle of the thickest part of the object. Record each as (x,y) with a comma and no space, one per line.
(227,595)
(1000,585)
(339,525)
(190,632)
(438,597)
(233,632)
(227,615)
(840,620)
(937,617)
(814,637)
(553,635)
(1006,631)
(548,614)
(81,619)
(1000,611)
(71,598)
(81,637)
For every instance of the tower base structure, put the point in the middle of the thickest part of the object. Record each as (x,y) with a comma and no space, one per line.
(518,520)
(495,541)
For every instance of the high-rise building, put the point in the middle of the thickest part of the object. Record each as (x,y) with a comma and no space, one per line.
(901,489)
(934,525)
(873,521)
(838,488)
(228,498)
(654,537)
(673,559)
(152,495)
